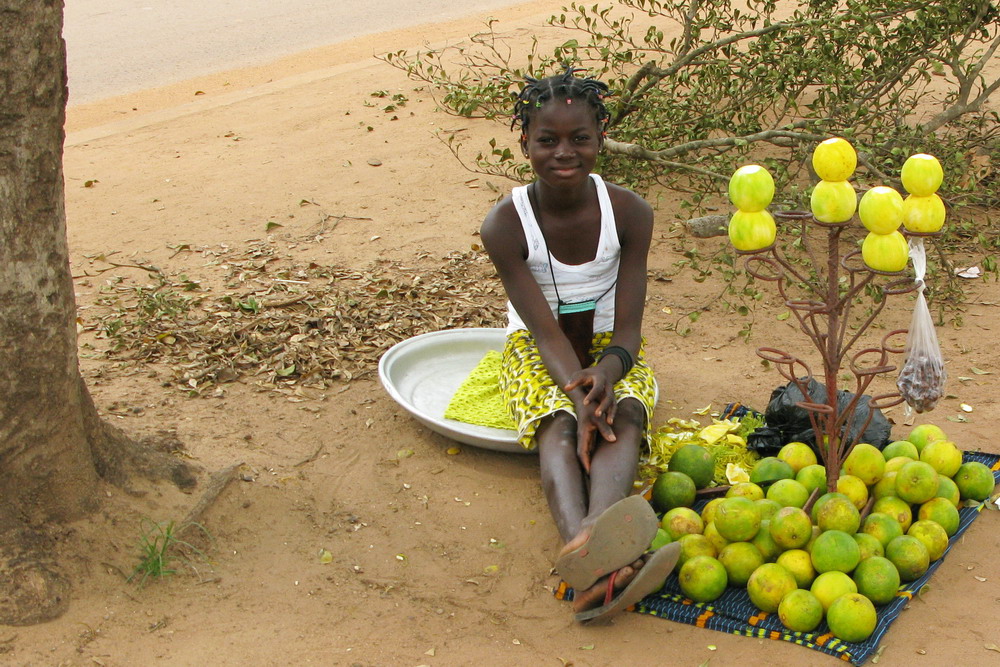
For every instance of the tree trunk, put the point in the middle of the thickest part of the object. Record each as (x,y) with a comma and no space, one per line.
(53,446)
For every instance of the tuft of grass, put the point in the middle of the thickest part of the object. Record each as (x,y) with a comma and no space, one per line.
(160,548)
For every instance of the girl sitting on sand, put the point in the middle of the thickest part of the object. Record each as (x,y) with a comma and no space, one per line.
(571,252)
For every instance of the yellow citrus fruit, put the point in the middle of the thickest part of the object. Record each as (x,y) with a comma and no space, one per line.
(921,174)
(942,512)
(881,210)
(767,507)
(865,462)
(681,521)
(869,545)
(737,519)
(713,536)
(694,461)
(882,527)
(885,252)
(877,579)
(852,618)
(854,488)
(791,528)
(895,507)
(916,482)
(751,188)
(702,578)
(923,214)
(752,230)
(828,586)
(900,448)
(943,455)
(974,481)
(799,563)
(768,585)
(909,555)
(833,201)
(925,433)
(708,511)
(788,493)
(885,486)
(740,560)
(798,455)
(694,545)
(897,462)
(838,513)
(948,488)
(932,535)
(672,489)
(745,490)
(812,477)
(835,550)
(800,611)
(834,159)
(765,544)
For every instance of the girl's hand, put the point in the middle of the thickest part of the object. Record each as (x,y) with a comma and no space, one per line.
(595,411)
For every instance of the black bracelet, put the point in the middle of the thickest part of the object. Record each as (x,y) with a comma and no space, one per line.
(623,355)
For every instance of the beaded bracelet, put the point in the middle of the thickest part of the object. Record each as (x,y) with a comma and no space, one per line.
(623,355)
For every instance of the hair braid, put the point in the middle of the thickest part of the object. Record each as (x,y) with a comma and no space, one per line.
(538,92)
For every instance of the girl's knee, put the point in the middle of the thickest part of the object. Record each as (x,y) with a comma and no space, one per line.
(632,412)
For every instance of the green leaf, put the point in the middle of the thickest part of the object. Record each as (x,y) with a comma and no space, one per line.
(271,224)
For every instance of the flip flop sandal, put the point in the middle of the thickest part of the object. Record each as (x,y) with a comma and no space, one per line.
(649,580)
(618,537)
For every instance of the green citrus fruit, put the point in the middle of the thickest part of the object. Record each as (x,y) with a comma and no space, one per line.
(751,231)
(834,159)
(662,538)
(673,489)
(828,586)
(681,521)
(798,455)
(885,252)
(947,488)
(695,545)
(835,550)
(770,469)
(799,563)
(865,462)
(839,513)
(925,433)
(702,578)
(924,215)
(881,210)
(921,174)
(941,511)
(737,519)
(694,461)
(800,611)
(974,480)
(897,462)
(885,486)
(824,499)
(791,528)
(932,534)
(916,482)
(812,477)
(740,560)
(909,555)
(708,511)
(833,202)
(943,455)
(877,579)
(788,493)
(852,617)
(751,188)
(900,448)
(745,490)
(767,507)
(869,545)
(765,544)
(882,527)
(895,507)
(715,539)
(768,585)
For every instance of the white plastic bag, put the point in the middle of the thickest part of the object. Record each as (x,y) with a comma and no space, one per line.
(921,380)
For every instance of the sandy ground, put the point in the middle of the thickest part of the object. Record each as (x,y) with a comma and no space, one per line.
(437,559)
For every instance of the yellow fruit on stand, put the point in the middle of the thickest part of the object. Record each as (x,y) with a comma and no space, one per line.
(834,159)
(852,618)
(921,174)
(923,214)
(885,252)
(751,188)
(833,202)
(752,230)
(881,210)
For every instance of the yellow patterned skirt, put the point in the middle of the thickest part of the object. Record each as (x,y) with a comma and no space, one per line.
(531,395)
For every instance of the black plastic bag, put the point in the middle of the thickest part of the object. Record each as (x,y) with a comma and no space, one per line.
(786,422)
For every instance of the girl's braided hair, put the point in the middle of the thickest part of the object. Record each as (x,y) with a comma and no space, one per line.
(561,86)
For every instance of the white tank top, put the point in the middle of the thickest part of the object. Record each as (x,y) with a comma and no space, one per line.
(576,282)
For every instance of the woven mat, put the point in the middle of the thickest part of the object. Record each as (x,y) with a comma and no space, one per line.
(734,613)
